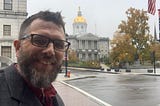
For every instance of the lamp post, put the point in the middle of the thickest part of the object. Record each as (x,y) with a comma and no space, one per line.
(66,61)
(154,60)
(99,58)
(127,63)
(127,60)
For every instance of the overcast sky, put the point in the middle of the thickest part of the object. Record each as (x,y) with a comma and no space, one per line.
(102,16)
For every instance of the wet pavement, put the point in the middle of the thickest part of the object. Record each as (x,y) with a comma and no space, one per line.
(125,89)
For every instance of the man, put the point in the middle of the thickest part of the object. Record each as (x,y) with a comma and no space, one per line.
(39,50)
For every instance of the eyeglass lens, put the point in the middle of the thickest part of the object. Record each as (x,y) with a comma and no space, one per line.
(42,41)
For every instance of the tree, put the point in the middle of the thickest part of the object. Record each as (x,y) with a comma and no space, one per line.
(72,55)
(122,49)
(137,28)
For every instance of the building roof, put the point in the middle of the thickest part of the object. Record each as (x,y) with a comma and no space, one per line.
(88,36)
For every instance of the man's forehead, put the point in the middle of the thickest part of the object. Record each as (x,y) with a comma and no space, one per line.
(42,24)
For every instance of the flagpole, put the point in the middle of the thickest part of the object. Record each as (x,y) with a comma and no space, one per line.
(155,25)
(159,22)
(155,33)
(152,11)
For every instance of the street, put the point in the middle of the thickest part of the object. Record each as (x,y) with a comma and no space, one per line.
(124,89)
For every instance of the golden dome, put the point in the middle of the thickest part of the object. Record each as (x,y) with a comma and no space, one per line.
(79,19)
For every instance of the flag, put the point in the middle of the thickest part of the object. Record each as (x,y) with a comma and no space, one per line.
(159,21)
(152,6)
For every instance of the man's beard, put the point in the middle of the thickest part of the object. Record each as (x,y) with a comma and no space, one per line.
(38,77)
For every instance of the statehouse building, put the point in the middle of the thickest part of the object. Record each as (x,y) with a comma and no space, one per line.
(87,46)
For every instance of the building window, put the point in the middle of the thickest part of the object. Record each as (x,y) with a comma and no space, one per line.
(89,44)
(95,44)
(95,56)
(77,27)
(6,30)
(83,57)
(6,51)
(7,4)
(83,44)
(89,56)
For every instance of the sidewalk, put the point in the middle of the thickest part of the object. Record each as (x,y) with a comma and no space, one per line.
(73,96)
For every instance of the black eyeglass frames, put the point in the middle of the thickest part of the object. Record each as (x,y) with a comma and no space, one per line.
(43,41)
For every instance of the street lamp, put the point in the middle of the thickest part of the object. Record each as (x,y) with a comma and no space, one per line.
(126,60)
(127,64)
(99,58)
(66,60)
(154,61)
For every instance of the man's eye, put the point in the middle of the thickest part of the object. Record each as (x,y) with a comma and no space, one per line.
(39,41)
(59,44)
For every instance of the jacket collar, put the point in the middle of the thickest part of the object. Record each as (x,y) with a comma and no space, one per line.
(18,87)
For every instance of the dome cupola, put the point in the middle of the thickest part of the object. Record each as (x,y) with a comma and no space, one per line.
(79,18)
(79,24)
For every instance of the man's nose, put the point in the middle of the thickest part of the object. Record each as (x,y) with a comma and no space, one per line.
(49,50)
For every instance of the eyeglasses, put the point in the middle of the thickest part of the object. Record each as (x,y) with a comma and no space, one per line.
(43,41)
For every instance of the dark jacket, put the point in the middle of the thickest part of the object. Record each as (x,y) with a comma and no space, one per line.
(15,92)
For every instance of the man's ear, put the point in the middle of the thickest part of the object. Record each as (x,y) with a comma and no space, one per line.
(17,45)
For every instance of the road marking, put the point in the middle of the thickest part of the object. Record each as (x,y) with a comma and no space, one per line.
(102,103)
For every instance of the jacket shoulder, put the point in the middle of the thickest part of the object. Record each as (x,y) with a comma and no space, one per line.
(59,100)
(1,75)
(3,85)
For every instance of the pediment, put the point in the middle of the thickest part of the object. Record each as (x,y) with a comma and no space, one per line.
(88,36)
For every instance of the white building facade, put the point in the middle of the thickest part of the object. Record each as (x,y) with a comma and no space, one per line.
(87,45)
(12,14)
